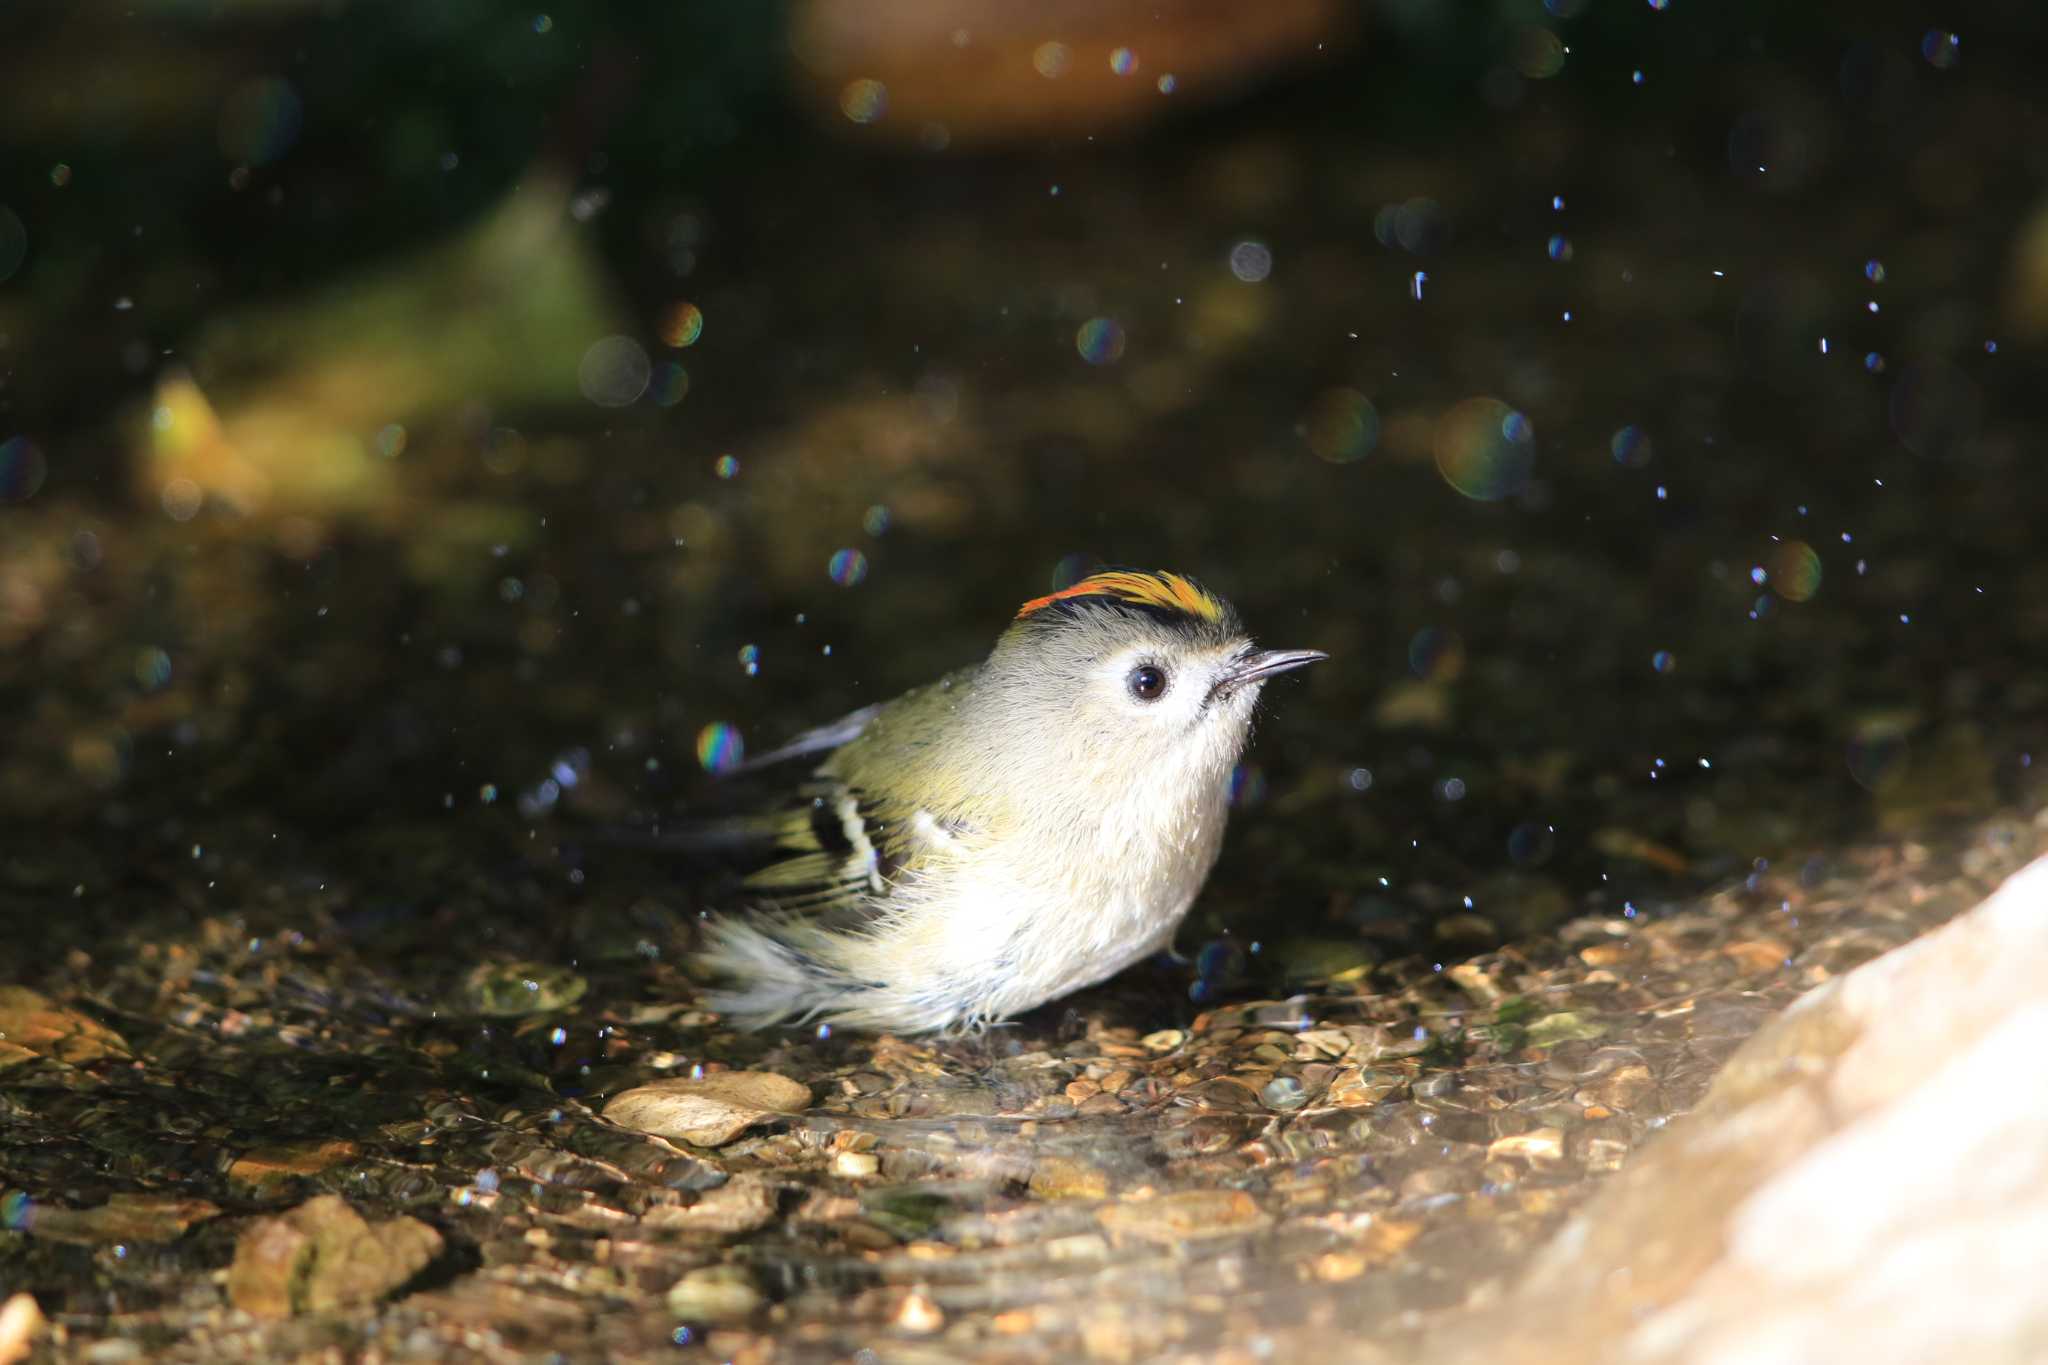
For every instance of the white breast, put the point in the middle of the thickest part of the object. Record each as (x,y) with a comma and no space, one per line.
(1027,932)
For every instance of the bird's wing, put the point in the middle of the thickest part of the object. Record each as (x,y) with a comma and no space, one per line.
(752,809)
(823,739)
(839,852)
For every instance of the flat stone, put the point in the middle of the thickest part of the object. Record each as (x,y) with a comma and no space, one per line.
(707,1111)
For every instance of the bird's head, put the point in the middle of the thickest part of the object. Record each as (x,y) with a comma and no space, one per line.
(1135,677)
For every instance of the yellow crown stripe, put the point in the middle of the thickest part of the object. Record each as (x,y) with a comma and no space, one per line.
(1165,591)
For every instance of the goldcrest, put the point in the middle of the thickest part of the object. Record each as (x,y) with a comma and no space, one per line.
(1010,833)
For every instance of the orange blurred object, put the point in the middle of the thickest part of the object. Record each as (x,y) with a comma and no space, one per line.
(939,73)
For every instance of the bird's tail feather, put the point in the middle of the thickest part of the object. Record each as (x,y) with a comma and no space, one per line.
(772,979)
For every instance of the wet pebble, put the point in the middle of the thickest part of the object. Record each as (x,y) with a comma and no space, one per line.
(855,1165)
(1059,1177)
(1186,1216)
(510,989)
(715,1293)
(322,1256)
(32,1023)
(21,1322)
(743,1204)
(1541,1144)
(123,1218)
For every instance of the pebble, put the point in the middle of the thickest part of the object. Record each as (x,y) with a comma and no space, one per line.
(743,1204)
(322,1256)
(715,1293)
(1171,1219)
(919,1314)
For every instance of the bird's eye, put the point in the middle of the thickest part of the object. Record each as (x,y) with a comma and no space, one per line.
(1148,682)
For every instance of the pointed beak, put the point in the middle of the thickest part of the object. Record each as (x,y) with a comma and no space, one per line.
(1256,668)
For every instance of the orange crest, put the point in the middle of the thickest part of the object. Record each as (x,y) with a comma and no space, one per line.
(1158,591)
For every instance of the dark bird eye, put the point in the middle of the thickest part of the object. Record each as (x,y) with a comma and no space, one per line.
(1148,682)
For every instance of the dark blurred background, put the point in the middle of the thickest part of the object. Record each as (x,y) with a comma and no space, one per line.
(415,414)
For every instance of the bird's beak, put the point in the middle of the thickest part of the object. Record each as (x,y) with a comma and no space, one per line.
(1255,668)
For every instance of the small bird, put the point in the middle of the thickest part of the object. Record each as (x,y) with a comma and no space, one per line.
(1012,832)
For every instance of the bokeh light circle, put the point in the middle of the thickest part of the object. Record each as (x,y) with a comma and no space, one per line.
(614,372)
(1539,53)
(259,121)
(152,669)
(1631,447)
(1795,571)
(726,466)
(719,747)
(864,101)
(1341,426)
(682,323)
(13,242)
(181,499)
(1251,261)
(1531,844)
(23,468)
(1100,341)
(1941,48)
(669,383)
(1873,758)
(847,568)
(1936,410)
(1436,654)
(1485,449)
